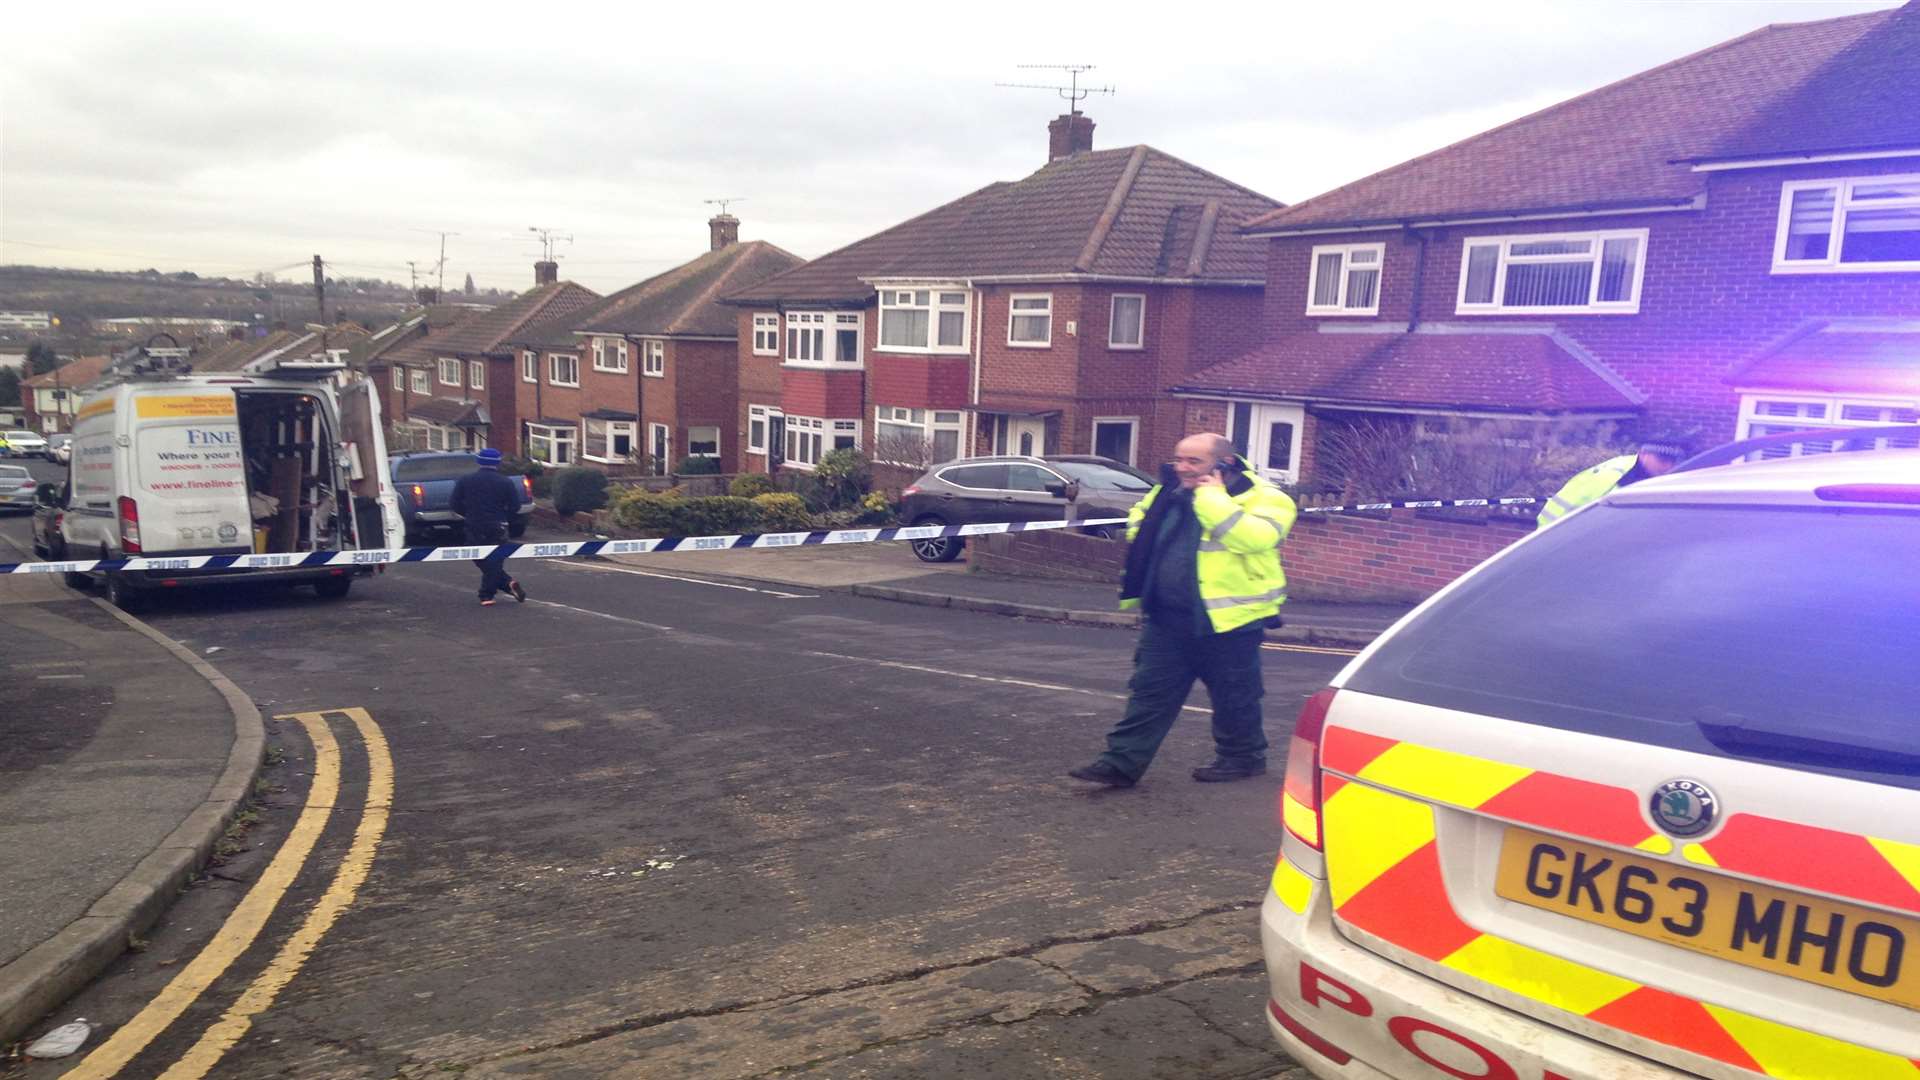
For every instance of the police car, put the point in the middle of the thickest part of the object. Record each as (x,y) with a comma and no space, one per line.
(1638,797)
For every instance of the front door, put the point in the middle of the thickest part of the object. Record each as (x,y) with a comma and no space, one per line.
(1026,436)
(776,440)
(1273,441)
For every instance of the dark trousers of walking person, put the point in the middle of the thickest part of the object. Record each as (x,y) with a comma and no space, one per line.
(493,569)
(1167,660)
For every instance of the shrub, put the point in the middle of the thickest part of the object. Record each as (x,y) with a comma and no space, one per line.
(577,489)
(844,477)
(645,512)
(697,466)
(876,509)
(668,515)
(749,485)
(781,512)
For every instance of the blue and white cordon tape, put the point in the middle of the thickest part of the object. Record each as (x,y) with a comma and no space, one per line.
(581,548)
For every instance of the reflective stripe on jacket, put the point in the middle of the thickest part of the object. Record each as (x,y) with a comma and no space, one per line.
(1239,561)
(1585,487)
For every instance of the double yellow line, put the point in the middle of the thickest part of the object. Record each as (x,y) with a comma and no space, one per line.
(243,926)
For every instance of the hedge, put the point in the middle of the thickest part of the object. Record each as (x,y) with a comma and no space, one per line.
(577,489)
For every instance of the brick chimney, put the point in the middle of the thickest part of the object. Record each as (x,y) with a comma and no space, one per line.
(723,229)
(1069,134)
(545,272)
(427,295)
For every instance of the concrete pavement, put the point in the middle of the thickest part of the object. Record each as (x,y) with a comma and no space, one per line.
(124,759)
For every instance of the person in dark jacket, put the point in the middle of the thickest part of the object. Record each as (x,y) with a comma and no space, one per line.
(487,502)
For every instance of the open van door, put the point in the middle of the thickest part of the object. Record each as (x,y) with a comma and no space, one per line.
(366,460)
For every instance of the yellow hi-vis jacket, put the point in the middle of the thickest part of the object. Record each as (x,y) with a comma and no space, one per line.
(1239,569)
(1585,487)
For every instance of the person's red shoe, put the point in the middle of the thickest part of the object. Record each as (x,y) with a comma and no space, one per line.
(488,602)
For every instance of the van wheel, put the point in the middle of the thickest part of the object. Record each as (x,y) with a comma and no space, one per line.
(78,581)
(333,588)
(939,549)
(122,595)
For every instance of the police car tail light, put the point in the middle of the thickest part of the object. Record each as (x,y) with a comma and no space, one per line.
(1300,795)
(129,525)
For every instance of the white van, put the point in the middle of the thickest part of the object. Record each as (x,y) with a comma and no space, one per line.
(280,462)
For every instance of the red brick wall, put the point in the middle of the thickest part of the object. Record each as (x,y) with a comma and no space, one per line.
(827,395)
(1709,298)
(707,389)
(760,384)
(1022,373)
(918,381)
(1404,557)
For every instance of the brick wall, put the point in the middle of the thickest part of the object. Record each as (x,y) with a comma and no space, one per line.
(1056,556)
(759,382)
(828,395)
(707,394)
(918,381)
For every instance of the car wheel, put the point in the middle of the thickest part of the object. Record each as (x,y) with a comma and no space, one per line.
(333,588)
(1108,532)
(517,530)
(123,595)
(938,549)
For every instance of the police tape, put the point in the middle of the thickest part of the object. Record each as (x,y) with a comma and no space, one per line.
(565,550)
(584,548)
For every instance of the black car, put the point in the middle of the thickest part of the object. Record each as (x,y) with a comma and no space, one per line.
(993,489)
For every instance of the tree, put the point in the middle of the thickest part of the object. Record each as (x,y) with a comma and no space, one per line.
(470,289)
(9,388)
(41,358)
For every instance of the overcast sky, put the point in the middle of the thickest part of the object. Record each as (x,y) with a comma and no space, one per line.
(229,139)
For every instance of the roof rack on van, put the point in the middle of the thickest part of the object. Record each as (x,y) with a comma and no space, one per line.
(1847,438)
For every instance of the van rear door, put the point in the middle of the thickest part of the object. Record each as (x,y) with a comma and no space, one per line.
(366,458)
(189,477)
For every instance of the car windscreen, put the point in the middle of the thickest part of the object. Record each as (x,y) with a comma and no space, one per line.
(20,435)
(14,472)
(1772,634)
(1093,474)
(421,470)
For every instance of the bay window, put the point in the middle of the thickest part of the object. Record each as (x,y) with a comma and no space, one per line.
(823,338)
(609,441)
(924,320)
(1555,273)
(810,437)
(1848,226)
(1345,279)
(759,427)
(916,437)
(1773,412)
(1030,320)
(550,444)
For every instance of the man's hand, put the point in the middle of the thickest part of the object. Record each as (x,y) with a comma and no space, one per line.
(1209,479)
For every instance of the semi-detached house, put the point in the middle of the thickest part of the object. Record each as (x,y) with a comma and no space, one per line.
(1040,316)
(1724,246)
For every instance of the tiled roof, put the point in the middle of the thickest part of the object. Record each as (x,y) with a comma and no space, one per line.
(684,300)
(1131,212)
(1625,144)
(230,356)
(81,371)
(488,332)
(1841,356)
(448,411)
(1522,369)
(413,325)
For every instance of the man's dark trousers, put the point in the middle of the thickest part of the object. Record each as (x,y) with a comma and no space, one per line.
(1169,657)
(493,569)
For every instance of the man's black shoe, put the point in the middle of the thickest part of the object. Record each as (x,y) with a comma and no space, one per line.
(519,593)
(1222,771)
(1101,773)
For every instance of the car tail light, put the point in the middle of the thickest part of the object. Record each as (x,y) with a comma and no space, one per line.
(526,484)
(129,525)
(1300,795)
(419,494)
(911,489)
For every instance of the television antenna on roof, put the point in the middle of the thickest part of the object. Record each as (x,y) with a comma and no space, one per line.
(722,203)
(1072,93)
(548,239)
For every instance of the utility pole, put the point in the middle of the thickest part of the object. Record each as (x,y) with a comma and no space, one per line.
(441,266)
(320,289)
(413,279)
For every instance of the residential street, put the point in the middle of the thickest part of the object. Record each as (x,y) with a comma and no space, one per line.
(645,826)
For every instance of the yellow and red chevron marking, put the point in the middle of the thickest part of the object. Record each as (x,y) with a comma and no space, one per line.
(1865,868)
(1383,874)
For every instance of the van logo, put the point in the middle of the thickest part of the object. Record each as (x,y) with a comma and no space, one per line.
(1684,807)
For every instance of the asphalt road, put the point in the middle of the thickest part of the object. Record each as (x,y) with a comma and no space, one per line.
(653,827)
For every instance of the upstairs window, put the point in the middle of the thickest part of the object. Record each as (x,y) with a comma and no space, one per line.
(1345,279)
(529,366)
(653,358)
(477,374)
(1127,321)
(1849,226)
(823,338)
(766,335)
(563,369)
(923,320)
(399,378)
(449,371)
(1566,273)
(420,381)
(1030,320)
(610,354)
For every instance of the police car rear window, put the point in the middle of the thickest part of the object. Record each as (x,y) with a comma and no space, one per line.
(1772,634)
(422,470)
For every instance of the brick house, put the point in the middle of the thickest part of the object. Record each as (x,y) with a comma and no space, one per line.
(1726,245)
(1044,315)
(451,387)
(647,373)
(50,399)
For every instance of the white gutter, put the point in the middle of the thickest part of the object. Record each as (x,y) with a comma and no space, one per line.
(1696,203)
(1801,159)
(1097,279)
(1421,410)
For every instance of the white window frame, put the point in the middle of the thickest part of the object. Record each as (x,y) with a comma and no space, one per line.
(1831,414)
(930,421)
(601,450)
(553,369)
(1140,330)
(610,354)
(811,436)
(660,437)
(421,380)
(1843,203)
(894,298)
(1346,253)
(476,374)
(653,358)
(529,366)
(400,379)
(448,363)
(766,333)
(800,350)
(764,414)
(1015,313)
(1599,240)
(1133,438)
(715,428)
(554,438)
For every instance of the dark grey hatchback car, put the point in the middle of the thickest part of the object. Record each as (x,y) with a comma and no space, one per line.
(989,489)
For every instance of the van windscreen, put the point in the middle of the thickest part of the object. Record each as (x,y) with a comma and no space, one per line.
(1772,634)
